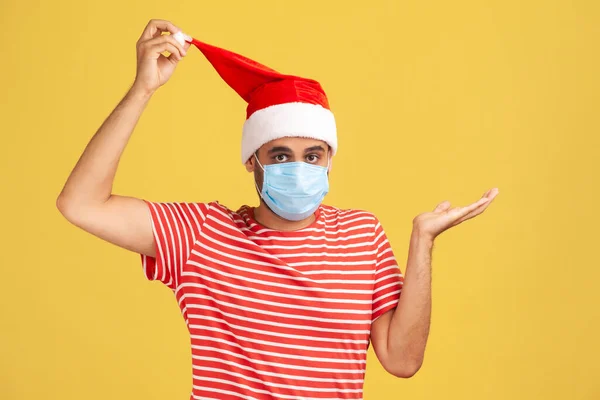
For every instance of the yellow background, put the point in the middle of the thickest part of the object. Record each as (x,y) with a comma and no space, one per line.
(434,101)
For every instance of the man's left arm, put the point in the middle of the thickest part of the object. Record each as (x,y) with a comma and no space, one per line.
(399,336)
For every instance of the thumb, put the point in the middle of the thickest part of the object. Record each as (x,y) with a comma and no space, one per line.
(443,206)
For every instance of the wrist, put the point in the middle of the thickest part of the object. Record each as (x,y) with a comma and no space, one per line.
(420,237)
(139,93)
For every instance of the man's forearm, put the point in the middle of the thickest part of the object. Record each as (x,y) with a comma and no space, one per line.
(409,325)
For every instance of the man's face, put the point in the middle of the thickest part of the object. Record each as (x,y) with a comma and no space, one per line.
(288,149)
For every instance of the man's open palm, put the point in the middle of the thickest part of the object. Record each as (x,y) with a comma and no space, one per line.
(431,224)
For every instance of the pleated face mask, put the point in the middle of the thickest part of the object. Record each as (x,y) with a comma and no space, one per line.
(293,190)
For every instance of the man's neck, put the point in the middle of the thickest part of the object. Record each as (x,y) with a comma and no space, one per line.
(269,219)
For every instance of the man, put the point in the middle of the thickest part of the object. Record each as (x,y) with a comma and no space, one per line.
(283,300)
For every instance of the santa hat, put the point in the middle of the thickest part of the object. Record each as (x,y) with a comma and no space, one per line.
(278,105)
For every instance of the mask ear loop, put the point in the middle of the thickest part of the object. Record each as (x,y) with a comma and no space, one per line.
(256,184)
(259,164)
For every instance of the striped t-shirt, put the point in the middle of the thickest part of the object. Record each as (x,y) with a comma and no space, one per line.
(274,314)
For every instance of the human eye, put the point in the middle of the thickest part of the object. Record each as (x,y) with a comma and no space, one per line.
(280,158)
(312,158)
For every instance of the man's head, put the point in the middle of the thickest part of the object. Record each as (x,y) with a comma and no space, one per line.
(289,134)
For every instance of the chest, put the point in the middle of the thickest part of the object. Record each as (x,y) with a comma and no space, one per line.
(320,281)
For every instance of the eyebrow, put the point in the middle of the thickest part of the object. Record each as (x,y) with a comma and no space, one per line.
(315,148)
(285,149)
(278,149)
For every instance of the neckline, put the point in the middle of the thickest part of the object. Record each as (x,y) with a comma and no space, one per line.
(258,226)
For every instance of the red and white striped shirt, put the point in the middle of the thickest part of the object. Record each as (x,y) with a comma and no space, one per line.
(272,314)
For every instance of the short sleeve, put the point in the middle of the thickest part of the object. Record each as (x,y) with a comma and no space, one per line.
(175,227)
(388,277)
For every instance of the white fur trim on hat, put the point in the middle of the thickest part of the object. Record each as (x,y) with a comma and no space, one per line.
(288,120)
(182,37)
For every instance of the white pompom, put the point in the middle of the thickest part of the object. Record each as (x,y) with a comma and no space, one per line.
(181,37)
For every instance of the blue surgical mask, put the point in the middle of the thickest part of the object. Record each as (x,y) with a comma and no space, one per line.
(293,190)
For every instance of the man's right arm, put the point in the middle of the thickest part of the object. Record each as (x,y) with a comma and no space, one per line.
(86,199)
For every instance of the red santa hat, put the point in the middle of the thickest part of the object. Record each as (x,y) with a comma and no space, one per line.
(278,105)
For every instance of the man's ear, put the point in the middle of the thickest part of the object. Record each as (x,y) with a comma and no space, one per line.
(330,159)
(250,164)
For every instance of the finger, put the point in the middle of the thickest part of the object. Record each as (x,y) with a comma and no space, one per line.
(462,211)
(471,211)
(177,43)
(158,25)
(493,192)
(472,214)
(477,204)
(163,40)
(162,47)
(174,58)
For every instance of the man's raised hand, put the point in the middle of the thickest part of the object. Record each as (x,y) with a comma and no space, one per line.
(153,68)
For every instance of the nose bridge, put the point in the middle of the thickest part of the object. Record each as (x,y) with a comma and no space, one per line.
(297,155)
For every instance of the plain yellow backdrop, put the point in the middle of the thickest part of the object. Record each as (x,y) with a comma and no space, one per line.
(434,101)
